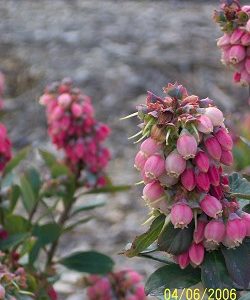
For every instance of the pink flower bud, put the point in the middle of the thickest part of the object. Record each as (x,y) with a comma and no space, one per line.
(245,39)
(205,125)
(154,166)
(216,191)
(196,253)
(202,181)
(226,158)
(2,292)
(214,175)
(236,54)
(181,215)
(247,65)
(213,147)
(224,40)
(152,192)
(186,145)
(198,235)
(140,160)
(183,260)
(246,219)
(237,77)
(64,100)
(215,115)
(57,113)
(76,110)
(201,160)
(166,180)
(235,231)
(211,206)
(236,36)
(175,164)
(150,147)
(215,231)
(188,179)
(224,139)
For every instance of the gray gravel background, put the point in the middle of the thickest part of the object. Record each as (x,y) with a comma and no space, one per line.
(115,51)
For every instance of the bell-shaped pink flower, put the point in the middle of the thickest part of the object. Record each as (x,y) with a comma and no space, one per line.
(202,181)
(235,231)
(224,40)
(224,139)
(198,234)
(150,147)
(186,145)
(183,260)
(145,178)
(181,215)
(215,231)
(245,39)
(196,253)
(205,125)
(226,158)
(211,206)
(166,180)
(247,65)
(154,166)
(214,175)
(140,160)
(216,191)
(152,192)
(237,53)
(175,164)
(246,219)
(213,147)
(236,36)
(201,160)
(215,115)
(188,179)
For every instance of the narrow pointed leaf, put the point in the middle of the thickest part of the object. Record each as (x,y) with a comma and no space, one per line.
(15,161)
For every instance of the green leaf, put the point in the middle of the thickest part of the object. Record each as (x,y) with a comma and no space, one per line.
(157,257)
(239,185)
(214,273)
(77,223)
(47,233)
(15,161)
(47,157)
(109,189)
(238,262)
(246,208)
(175,241)
(28,196)
(88,262)
(146,239)
(86,207)
(16,224)
(33,177)
(14,194)
(171,276)
(13,240)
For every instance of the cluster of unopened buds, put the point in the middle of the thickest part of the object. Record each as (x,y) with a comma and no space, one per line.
(73,128)
(181,166)
(235,43)
(122,285)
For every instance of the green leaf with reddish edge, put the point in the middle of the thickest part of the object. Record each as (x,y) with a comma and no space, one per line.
(175,240)
(214,272)
(88,262)
(109,189)
(13,240)
(27,194)
(15,161)
(47,157)
(86,207)
(238,262)
(143,241)
(171,276)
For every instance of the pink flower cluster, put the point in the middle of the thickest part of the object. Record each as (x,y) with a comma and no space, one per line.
(126,285)
(235,43)
(181,166)
(73,128)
